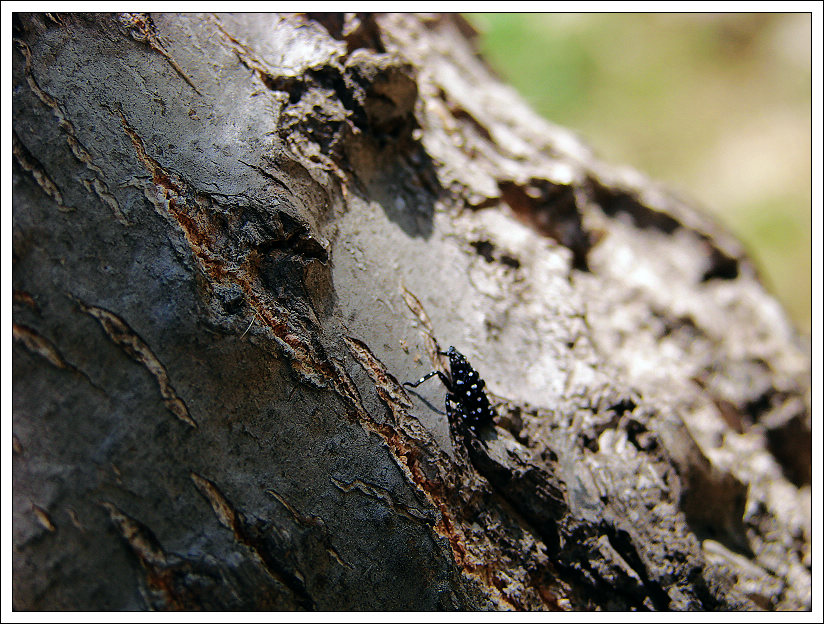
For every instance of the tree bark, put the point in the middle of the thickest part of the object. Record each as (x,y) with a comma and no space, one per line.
(234,237)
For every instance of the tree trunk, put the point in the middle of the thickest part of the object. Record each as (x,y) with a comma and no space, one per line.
(235,236)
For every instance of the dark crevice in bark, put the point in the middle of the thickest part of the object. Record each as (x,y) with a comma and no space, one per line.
(553,211)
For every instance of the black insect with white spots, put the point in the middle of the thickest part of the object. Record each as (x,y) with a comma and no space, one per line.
(466,402)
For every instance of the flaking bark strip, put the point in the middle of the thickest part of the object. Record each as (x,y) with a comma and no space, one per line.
(75,520)
(43,518)
(389,390)
(299,518)
(21,296)
(98,184)
(56,19)
(336,556)
(226,515)
(407,454)
(379,493)
(138,536)
(250,536)
(39,345)
(43,347)
(162,573)
(126,338)
(142,29)
(168,184)
(31,165)
(313,523)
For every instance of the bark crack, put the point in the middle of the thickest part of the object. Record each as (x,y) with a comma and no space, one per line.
(98,183)
(258,539)
(127,339)
(142,29)
(373,491)
(31,165)
(313,523)
(43,347)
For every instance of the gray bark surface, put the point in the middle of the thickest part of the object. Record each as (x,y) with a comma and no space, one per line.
(234,236)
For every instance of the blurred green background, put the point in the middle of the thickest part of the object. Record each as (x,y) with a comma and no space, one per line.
(715,105)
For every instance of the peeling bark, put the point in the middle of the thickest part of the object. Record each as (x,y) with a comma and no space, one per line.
(236,235)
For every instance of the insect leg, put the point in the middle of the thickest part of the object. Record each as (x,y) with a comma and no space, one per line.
(452,418)
(457,422)
(443,377)
(450,411)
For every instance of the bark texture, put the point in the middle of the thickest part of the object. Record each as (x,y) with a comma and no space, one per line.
(235,235)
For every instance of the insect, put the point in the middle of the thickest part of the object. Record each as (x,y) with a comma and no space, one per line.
(466,402)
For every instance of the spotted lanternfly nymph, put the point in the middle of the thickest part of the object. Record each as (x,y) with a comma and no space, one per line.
(466,402)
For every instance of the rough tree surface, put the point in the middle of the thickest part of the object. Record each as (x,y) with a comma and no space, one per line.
(234,237)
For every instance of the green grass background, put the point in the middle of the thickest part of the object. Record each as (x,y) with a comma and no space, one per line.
(715,105)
